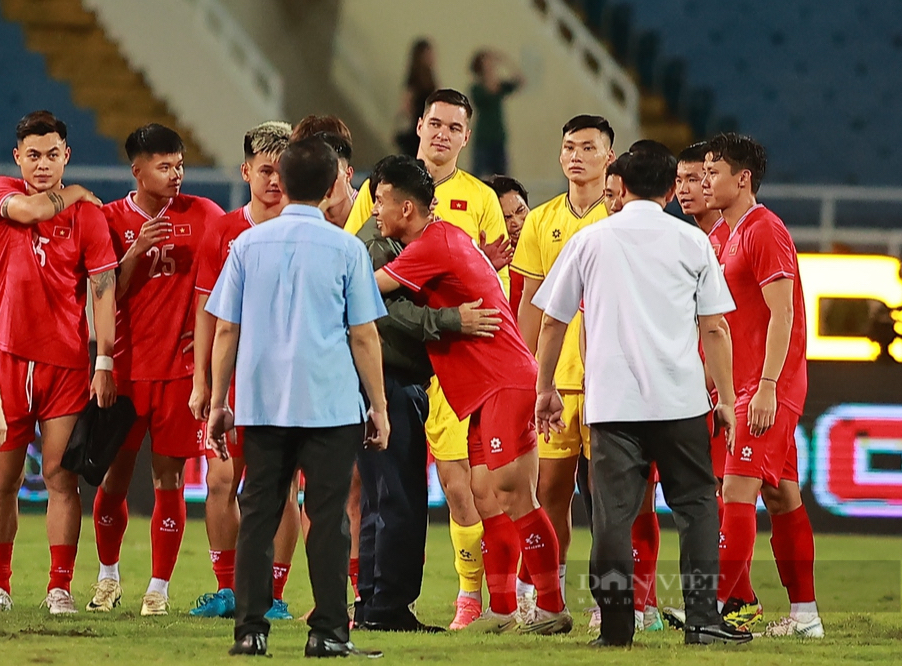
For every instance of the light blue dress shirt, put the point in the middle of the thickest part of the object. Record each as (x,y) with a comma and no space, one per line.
(295,285)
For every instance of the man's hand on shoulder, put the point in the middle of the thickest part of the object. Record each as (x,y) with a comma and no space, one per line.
(86,195)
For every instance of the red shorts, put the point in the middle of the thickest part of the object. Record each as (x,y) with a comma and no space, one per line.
(33,392)
(773,456)
(503,428)
(718,448)
(162,408)
(236,448)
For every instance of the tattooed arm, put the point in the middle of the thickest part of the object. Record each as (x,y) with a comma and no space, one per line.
(40,207)
(103,290)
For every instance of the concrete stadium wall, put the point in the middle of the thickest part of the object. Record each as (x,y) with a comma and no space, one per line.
(373,39)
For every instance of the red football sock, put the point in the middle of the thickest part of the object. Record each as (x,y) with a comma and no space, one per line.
(224,568)
(541,554)
(646,543)
(793,546)
(719,509)
(353,574)
(110,521)
(737,543)
(500,552)
(524,571)
(62,564)
(167,525)
(279,579)
(6,566)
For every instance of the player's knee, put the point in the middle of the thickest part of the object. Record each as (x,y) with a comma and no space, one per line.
(781,500)
(59,480)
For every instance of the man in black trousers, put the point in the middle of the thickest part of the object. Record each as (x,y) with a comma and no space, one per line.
(395,492)
(297,304)
(649,285)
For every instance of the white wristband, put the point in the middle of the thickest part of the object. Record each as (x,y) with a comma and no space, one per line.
(104,363)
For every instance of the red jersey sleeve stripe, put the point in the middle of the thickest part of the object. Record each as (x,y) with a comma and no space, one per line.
(201,290)
(407,283)
(101,269)
(776,276)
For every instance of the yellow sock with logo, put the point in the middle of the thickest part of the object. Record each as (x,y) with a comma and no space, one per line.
(467,542)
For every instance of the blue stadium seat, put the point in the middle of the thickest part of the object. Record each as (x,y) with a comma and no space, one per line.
(25,86)
(816,82)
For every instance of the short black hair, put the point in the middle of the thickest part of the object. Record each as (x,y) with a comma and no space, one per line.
(407,175)
(648,174)
(153,139)
(740,152)
(649,145)
(694,153)
(585,121)
(308,169)
(339,144)
(504,184)
(40,123)
(449,96)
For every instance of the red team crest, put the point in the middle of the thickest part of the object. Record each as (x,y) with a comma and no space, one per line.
(458,204)
(181,230)
(62,232)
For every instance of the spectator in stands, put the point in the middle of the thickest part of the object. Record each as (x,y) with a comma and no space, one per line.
(420,83)
(488,93)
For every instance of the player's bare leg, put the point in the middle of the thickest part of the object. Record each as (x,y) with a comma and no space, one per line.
(466,535)
(792,542)
(12,473)
(167,526)
(557,483)
(646,536)
(63,513)
(221,519)
(523,525)
(284,545)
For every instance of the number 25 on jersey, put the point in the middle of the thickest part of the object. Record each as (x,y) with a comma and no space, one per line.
(162,263)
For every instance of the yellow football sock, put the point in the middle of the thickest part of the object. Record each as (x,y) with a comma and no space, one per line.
(467,542)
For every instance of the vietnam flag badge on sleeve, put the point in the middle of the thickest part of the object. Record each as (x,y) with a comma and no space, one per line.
(181,230)
(62,232)
(458,204)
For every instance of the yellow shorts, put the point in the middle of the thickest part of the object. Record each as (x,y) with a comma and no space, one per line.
(447,435)
(575,436)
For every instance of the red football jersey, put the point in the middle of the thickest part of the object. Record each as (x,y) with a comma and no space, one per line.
(445,268)
(44,271)
(215,246)
(159,305)
(517,284)
(757,252)
(718,236)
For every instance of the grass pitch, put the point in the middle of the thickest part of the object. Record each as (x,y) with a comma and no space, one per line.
(858,590)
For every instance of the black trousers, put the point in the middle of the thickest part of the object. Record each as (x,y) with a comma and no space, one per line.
(621,454)
(272,456)
(394,510)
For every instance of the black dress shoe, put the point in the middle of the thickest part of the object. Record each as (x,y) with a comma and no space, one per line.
(716,633)
(409,625)
(602,642)
(320,646)
(253,645)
